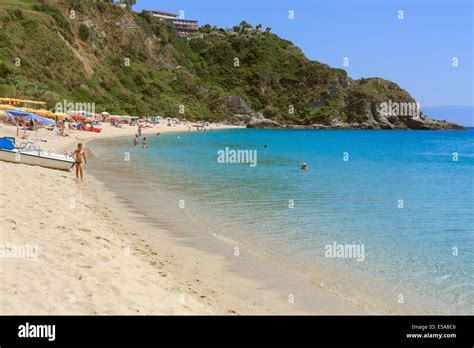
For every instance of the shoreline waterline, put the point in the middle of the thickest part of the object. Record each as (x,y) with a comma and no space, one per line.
(293,290)
(319,275)
(193,230)
(193,248)
(269,271)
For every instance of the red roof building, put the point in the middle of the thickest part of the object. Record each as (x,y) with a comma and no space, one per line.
(163,14)
(182,26)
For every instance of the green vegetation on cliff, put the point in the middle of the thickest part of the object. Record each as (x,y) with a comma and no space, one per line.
(130,63)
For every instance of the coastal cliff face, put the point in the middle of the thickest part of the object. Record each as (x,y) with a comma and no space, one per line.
(90,51)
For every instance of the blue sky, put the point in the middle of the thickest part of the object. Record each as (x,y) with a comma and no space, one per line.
(416,52)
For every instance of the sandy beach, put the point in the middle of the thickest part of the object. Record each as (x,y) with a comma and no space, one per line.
(88,253)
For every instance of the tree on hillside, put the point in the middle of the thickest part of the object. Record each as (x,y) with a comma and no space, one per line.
(245,26)
(129,3)
(206,28)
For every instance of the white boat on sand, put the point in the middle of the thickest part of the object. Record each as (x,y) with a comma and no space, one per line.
(33,156)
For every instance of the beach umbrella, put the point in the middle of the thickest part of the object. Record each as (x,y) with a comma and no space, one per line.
(18,113)
(61,115)
(45,113)
(78,117)
(30,110)
(8,100)
(7,107)
(27,101)
(30,116)
(116,118)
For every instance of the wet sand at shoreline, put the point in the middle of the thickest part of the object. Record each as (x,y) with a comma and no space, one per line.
(98,254)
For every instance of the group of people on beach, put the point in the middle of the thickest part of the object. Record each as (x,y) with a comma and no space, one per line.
(138,136)
(80,156)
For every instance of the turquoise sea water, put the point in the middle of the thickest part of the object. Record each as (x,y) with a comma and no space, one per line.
(400,194)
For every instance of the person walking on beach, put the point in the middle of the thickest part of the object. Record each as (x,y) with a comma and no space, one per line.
(139,130)
(135,140)
(80,159)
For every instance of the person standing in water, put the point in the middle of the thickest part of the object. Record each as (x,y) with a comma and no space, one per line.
(144,142)
(80,159)
(135,140)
